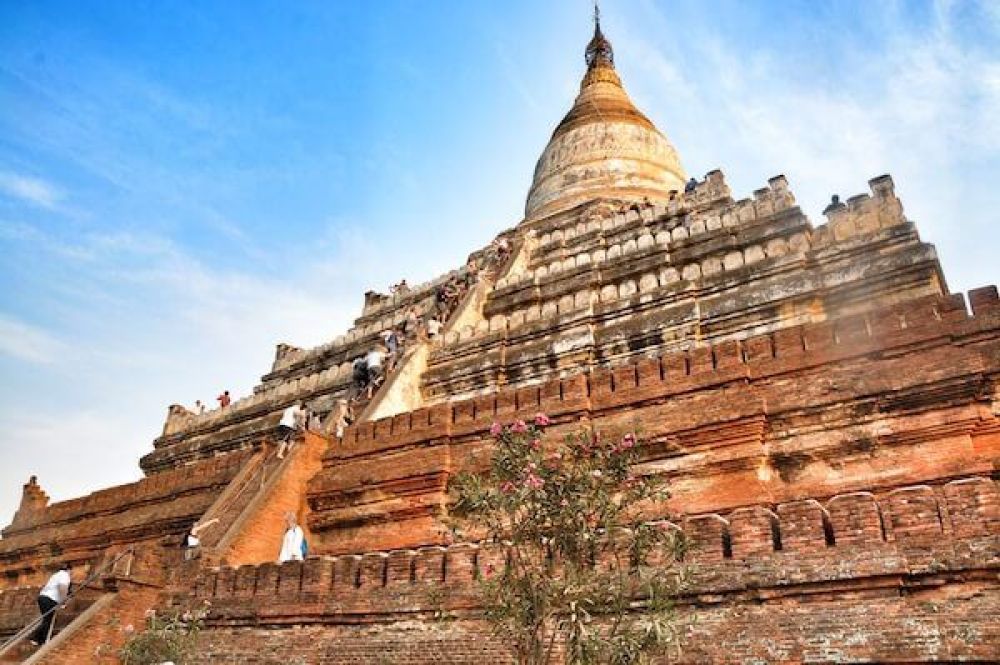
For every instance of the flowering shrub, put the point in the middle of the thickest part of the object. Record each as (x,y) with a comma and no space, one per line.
(167,638)
(578,552)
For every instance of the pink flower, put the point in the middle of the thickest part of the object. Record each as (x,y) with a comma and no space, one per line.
(542,420)
(536,444)
(519,427)
(488,573)
(496,429)
(534,482)
(628,441)
(508,487)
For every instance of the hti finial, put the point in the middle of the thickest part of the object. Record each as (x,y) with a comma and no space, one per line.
(599,49)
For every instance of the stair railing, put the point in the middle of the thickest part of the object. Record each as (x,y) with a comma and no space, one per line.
(30,628)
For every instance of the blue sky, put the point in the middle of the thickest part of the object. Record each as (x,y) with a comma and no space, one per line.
(183,185)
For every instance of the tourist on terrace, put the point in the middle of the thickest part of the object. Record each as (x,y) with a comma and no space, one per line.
(52,595)
(433,327)
(411,324)
(293,421)
(292,542)
(338,419)
(441,301)
(199,408)
(314,423)
(692,184)
(224,399)
(391,341)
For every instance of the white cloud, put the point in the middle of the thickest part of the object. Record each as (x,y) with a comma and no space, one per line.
(67,450)
(920,104)
(33,190)
(26,342)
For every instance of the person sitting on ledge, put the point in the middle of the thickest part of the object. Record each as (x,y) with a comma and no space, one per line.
(292,543)
(52,595)
(691,185)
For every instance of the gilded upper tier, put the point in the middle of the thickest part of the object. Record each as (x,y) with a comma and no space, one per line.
(604,147)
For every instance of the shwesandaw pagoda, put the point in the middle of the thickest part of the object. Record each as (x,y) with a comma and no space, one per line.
(825,410)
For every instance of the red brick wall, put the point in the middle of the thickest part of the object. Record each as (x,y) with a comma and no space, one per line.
(909,575)
(868,402)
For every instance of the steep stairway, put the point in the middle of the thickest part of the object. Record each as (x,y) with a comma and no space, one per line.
(94,623)
(252,516)
(402,390)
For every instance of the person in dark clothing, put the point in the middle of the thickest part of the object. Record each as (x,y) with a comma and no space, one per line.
(359,375)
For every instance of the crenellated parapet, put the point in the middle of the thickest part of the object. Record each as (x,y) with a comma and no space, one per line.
(839,404)
(610,285)
(78,530)
(862,214)
(319,376)
(788,549)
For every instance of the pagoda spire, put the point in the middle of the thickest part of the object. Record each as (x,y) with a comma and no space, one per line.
(599,51)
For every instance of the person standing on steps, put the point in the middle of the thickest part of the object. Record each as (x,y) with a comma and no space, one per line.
(314,423)
(293,421)
(224,399)
(292,544)
(338,419)
(375,360)
(52,595)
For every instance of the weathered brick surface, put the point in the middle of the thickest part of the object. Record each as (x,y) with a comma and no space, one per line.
(875,401)
(797,584)
(825,415)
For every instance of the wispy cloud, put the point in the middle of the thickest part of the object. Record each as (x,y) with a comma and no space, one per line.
(920,102)
(28,343)
(33,190)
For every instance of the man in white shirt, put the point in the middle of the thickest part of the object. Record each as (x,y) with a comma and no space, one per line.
(292,421)
(433,327)
(291,543)
(52,595)
(375,360)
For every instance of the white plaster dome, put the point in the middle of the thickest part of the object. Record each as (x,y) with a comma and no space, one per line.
(604,147)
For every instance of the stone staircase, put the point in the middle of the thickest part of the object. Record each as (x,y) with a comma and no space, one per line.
(92,626)
(18,607)
(252,515)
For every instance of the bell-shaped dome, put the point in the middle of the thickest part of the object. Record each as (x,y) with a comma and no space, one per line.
(604,147)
